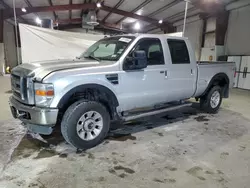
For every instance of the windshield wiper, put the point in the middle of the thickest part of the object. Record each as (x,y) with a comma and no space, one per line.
(92,57)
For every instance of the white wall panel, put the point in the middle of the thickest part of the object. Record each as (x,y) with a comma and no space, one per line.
(194,33)
(209,40)
(211,24)
(238,38)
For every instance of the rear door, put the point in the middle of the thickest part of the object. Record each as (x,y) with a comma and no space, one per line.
(182,70)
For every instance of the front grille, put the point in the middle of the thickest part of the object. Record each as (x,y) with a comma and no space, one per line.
(16,86)
(19,87)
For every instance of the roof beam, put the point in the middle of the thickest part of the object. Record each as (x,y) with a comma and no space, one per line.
(152,27)
(54,13)
(8,13)
(179,14)
(114,27)
(8,7)
(169,5)
(116,6)
(136,9)
(29,5)
(4,4)
(211,8)
(135,16)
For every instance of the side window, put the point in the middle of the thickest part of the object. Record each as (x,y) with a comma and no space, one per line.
(179,52)
(153,49)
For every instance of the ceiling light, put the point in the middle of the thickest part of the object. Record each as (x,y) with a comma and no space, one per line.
(98,5)
(160,21)
(137,26)
(38,21)
(139,12)
(24,9)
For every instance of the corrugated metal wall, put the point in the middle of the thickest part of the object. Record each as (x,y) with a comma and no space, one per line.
(193,32)
(238,33)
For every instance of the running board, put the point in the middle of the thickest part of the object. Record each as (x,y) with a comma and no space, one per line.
(141,115)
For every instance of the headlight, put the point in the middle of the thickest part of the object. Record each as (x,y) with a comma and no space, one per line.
(44,93)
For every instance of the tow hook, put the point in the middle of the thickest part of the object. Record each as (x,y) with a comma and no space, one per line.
(20,115)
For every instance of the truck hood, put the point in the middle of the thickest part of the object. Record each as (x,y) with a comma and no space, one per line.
(41,69)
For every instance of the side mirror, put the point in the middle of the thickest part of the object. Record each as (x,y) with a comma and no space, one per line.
(136,62)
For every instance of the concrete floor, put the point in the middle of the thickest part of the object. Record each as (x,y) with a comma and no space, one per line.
(184,148)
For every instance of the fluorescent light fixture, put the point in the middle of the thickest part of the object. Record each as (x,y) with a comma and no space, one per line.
(38,21)
(24,9)
(137,26)
(98,5)
(160,21)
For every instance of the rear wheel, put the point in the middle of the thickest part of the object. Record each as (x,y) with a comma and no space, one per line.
(85,124)
(212,100)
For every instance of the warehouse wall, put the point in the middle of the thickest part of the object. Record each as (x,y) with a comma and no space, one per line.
(81,30)
(238,33)
(10,45)
(2,59)
(193,32)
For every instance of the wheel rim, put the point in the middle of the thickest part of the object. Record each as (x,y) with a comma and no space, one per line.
(90,125)
(215,99)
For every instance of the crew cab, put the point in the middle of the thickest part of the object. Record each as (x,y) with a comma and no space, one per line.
(119,78)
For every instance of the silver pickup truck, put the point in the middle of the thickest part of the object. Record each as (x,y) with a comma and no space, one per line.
(118,78)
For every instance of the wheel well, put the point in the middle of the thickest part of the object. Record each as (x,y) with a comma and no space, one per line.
(92,92)
(221,80)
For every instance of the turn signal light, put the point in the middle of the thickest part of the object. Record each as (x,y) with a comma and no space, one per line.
(45,93)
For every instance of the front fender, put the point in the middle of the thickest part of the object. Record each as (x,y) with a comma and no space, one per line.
(65,85)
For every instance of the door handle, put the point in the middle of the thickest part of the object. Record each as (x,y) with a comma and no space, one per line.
(191,71)
(162,72)
(166,73)
(244,72)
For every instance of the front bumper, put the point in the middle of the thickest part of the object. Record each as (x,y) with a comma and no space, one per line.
(32,114)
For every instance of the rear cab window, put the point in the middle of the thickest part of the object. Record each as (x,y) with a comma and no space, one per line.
(178,51)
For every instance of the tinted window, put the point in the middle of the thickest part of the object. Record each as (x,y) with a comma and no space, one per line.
(179,52)
(153,49)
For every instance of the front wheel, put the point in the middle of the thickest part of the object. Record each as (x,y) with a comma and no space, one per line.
(212,100)
(85,124)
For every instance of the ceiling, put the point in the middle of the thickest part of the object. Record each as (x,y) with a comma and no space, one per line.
(115,13)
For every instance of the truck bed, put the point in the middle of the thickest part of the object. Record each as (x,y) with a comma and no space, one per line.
(207,70)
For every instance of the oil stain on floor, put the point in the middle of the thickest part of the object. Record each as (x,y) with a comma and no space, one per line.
(121,137)
(29,146)
(201,118)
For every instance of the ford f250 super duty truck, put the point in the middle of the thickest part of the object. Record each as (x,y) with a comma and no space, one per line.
(117,78)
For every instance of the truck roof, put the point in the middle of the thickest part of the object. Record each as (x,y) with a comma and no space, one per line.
(171,35)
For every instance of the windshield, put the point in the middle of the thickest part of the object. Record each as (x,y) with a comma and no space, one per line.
(109,49)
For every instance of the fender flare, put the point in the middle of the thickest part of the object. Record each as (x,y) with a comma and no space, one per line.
(218,76)
(83,87)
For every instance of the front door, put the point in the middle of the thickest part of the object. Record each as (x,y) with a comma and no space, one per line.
(144,88)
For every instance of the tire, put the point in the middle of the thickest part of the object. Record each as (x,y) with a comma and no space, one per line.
(75,117)
(208,104)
